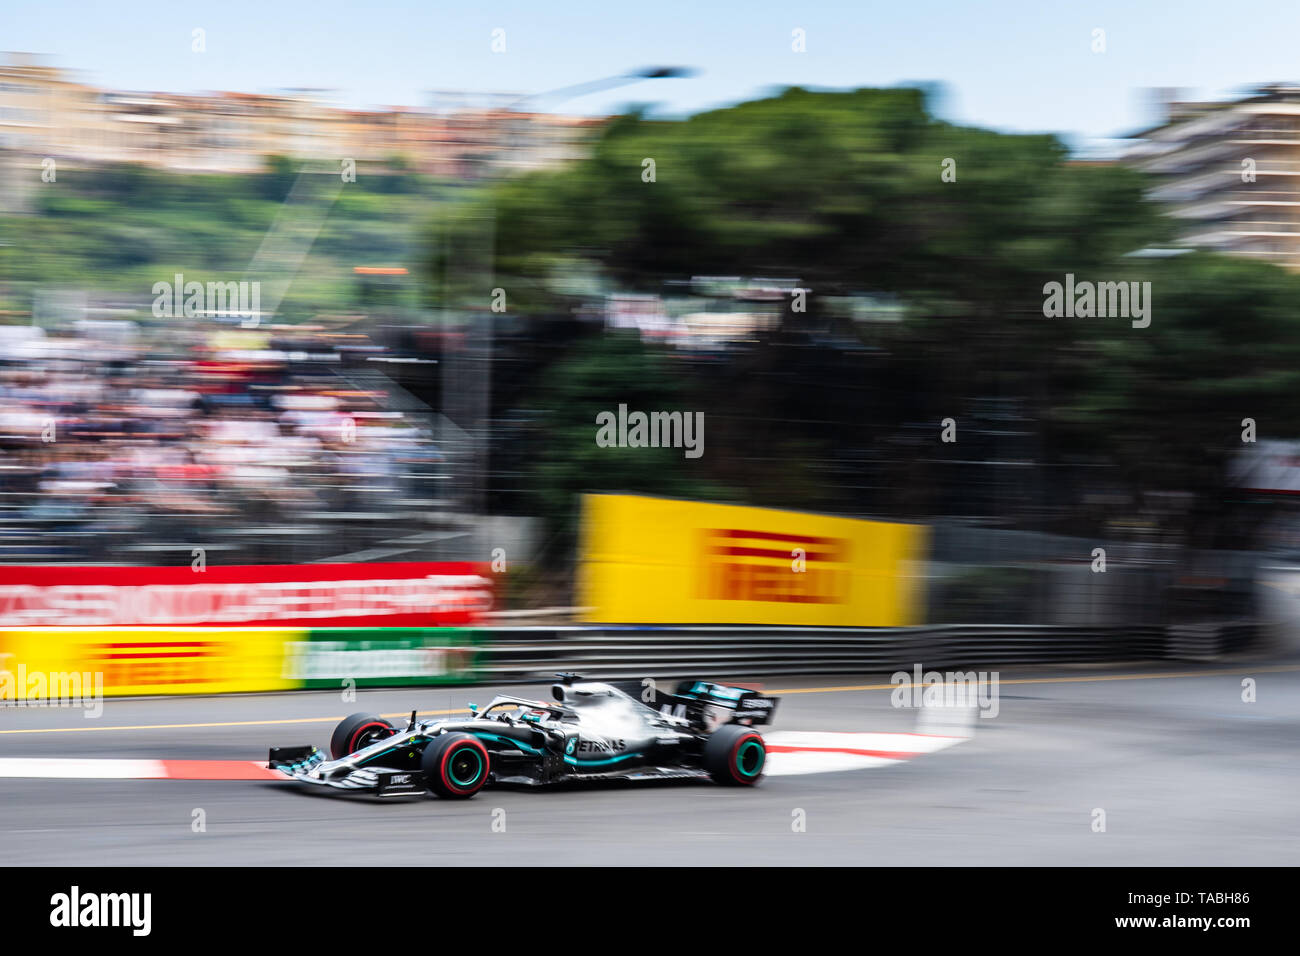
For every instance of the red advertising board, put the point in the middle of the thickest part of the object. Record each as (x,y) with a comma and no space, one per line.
(406,594)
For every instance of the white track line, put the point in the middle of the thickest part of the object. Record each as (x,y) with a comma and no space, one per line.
(796,752)
(789,752)
(81,769)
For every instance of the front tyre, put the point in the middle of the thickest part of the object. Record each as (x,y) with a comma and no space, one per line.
(358,732)
(735,755)
(456,766)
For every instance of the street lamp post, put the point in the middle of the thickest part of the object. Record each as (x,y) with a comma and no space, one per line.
(469,387)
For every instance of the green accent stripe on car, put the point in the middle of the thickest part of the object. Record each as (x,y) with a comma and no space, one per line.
(478,767)
(599,763)
(507,740)
(384,753)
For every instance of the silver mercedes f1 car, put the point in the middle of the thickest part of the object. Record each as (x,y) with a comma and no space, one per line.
(591,731)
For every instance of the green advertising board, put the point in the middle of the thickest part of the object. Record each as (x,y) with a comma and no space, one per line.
(383,656)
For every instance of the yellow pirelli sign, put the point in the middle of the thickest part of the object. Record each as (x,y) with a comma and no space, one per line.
(126,661)
(662,561)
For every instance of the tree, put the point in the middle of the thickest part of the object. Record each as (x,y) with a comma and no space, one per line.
(600,373)
(1166,403)
(277,178)
(866,192)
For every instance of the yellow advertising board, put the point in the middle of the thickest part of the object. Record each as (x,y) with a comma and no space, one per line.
(43,662)
(662,561)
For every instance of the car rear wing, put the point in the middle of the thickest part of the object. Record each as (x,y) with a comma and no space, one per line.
(706,704)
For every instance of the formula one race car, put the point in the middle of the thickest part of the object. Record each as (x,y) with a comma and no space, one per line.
(593,731)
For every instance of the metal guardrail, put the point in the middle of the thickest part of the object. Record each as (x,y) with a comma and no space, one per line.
(536,653)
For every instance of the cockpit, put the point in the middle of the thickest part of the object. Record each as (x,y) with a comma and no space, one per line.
(587,694)
(517,710)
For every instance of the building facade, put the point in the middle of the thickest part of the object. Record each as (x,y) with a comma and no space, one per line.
(1230,172)
(47,113)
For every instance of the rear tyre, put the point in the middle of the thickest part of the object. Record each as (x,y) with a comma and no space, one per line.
(357,732)
(456,766)
(735,755)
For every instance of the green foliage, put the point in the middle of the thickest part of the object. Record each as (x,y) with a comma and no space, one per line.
(277,180)
(1223,345)
(845,192)
(842,190)
(123,228)
(599,374)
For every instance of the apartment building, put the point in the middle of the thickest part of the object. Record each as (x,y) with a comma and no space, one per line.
(1230,172)
(47,113)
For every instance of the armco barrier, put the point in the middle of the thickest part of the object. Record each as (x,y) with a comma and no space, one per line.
(535,653)
(38,663)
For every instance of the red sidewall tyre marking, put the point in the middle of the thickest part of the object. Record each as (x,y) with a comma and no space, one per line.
(446,777)
(735,752)
(356,734)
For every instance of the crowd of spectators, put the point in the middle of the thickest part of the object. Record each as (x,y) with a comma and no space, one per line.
(120,447)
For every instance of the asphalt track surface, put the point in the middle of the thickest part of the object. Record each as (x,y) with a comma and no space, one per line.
(1186,772)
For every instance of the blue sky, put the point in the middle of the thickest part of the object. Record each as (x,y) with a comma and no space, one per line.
(1016,65)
